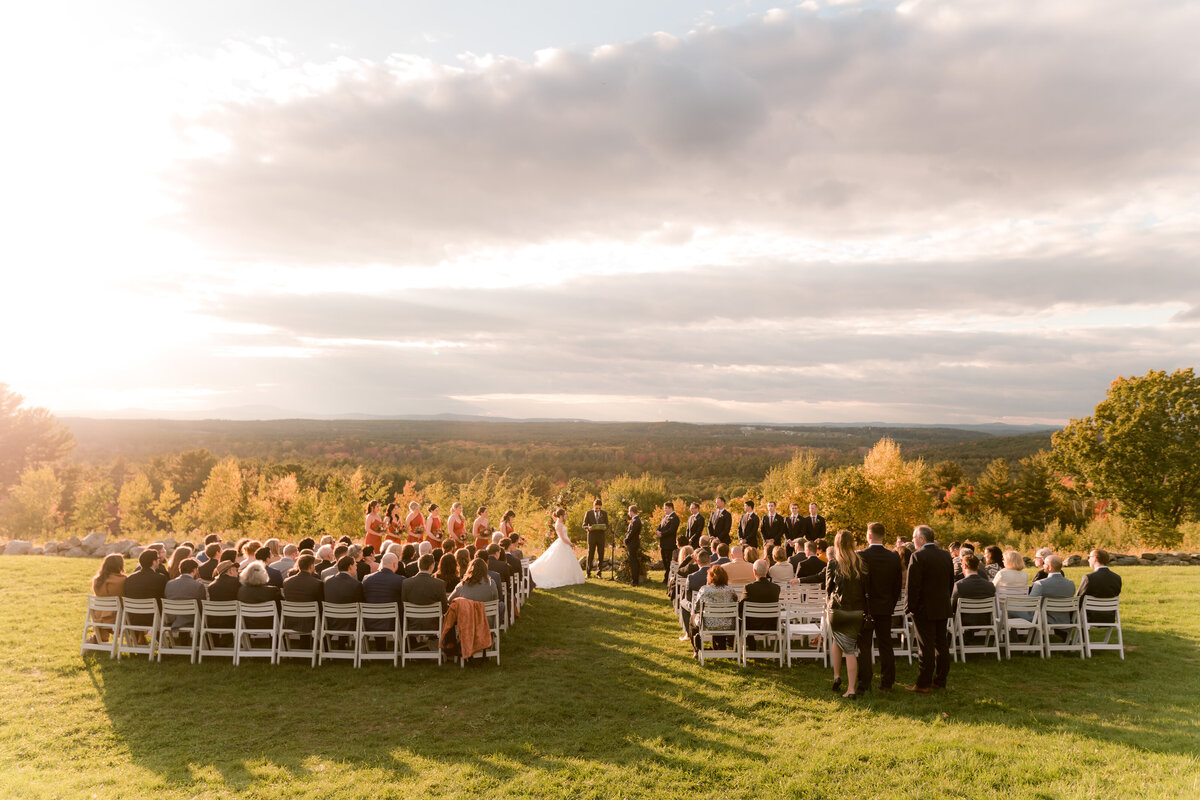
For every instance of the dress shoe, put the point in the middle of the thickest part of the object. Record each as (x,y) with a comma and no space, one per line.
(917,689)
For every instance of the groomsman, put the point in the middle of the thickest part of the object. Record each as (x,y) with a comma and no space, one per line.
(595,522)
(667,529)
(695,526)
(793,526)
(720,523)
(633,545)
(814,524)
(772,529)
(748,526)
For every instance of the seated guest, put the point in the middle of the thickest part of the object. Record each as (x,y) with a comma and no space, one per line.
(302,585)
(1102,582)
(109,581)
(288,559)
(145,583)
(1039,561)
(1055,584)
(762,590)
(1013,575)
(956,553)
(324,558)
(247,552)
(722,555)
(385,585)
(368,559)
(343,586)
(256,588)
(993,562)
(808,564)
(717,590)
(408,557)
(177,557)
(274,577)
(515,549)
(781,570)
(498,564)
(225,586)
(205,554)
(339,552)
(162,558)
(694,581)
(463,559)
(706,545)
(447,571)
(738,570)
(476,585)
(307,543)
(208,563)
(973,586)
(185,587)
(424,589)
(514,561)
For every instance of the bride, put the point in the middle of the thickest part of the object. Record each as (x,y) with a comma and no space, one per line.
(558,566)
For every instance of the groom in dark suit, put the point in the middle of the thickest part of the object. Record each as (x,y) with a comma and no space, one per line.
(633,545)
(596,536)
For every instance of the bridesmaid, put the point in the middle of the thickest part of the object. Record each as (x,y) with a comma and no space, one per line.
(374,526)
(433,530)
(506,524)
(394,523)
(415,522)
(480,529)
(458,526)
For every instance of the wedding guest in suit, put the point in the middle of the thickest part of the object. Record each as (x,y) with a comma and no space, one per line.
(810,568)
(633,545)
(722,554)
(145,583)
(748,526)
(772,528)
(508,551)
(225,585)
(595,525)
(883,591)
(720,522)
(794,527)
(761,590)
(343,586)
(1055,584)
(385,586)
(475,584)
(694,580)
(930,581)
(423,589)
(814,525)
(339,552)
(695,525)
(109,581)
(846,587)
(781,570)
(212,552)
(274,576)
(185,587)
(666,534)
(1102,582)
(973,586)
(302,585)
(287,559)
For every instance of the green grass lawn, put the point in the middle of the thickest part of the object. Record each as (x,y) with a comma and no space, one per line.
(595,698)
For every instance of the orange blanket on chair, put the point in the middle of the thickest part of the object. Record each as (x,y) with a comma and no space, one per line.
(471,625)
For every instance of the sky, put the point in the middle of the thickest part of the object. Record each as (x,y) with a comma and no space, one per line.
(914,212)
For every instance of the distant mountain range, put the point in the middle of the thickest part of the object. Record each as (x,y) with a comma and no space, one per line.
(262,413)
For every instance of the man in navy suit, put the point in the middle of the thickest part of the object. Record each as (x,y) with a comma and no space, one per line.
(814,524)
(883,591)
(930,581)
(720,523)
(772,529)
(748,526)
(1102,582)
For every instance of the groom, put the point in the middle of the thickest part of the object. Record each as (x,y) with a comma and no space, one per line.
(633,544)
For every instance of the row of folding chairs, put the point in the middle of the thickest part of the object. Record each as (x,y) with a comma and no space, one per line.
(1013,622)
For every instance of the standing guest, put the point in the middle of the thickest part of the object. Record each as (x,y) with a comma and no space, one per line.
(814,525)
(595,524)
(772,529)
(666,534)
(145,583)
(717,590)
(433,529)
(302,585)
(781,570)
(177,557)
(414,522)
(287,560)
(211,539)
(930,581)
(720,522)
(456,525)
(846,588)
(475,584)
(374,526)
(993,562)
(794,527)
(185,587)
(883,592)
(1055,584)
(448,571)
(695,525)
(1102,582)
(212,551)
(256,588)
(633,545)
(1013,575)
(1039,561)
(748,525)
(274,576)
(109,581)
(973,586)
(481,529)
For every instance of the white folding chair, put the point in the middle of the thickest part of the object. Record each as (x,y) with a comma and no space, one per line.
(902,633)
(491,610)
(1102,605)
(170,636)
(1060,615)
(132,633)
(218,626)
(250,633)
(1019,633)
(298,625)
(814,593)
(339,632)
(976,607)
(804,631)
(98,630)
(422,621)
(388,637)
(717,611)
(768,641)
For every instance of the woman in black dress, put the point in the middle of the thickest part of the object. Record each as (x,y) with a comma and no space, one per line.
(846,585)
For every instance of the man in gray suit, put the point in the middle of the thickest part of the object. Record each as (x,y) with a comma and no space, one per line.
(185,587)
(1055,584)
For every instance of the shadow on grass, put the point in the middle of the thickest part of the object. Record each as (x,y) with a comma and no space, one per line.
(594,676)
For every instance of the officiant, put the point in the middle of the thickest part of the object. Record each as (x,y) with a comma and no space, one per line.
(595,524)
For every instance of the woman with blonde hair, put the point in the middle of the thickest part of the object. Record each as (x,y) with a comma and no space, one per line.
(456,526)
(415,522)
(846,588)
(1013,575)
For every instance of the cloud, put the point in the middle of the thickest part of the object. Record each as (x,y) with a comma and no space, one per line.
(844,123)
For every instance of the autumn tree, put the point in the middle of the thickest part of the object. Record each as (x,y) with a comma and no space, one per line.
(995,488)
(793,482)
(136,503)
(220,501)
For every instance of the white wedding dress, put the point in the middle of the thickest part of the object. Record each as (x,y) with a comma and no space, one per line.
(558,566)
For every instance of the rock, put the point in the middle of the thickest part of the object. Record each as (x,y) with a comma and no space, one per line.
(1149,556)
(75,552)
(37,551)
(135,551)
(1125,561)
(170,544)
(2,546)
(1144,563)
(18,547)
(72,542)
(1170,561)
(51,548)
(93,542)
(1074,560)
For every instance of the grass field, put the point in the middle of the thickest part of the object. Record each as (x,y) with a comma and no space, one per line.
(594,698)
